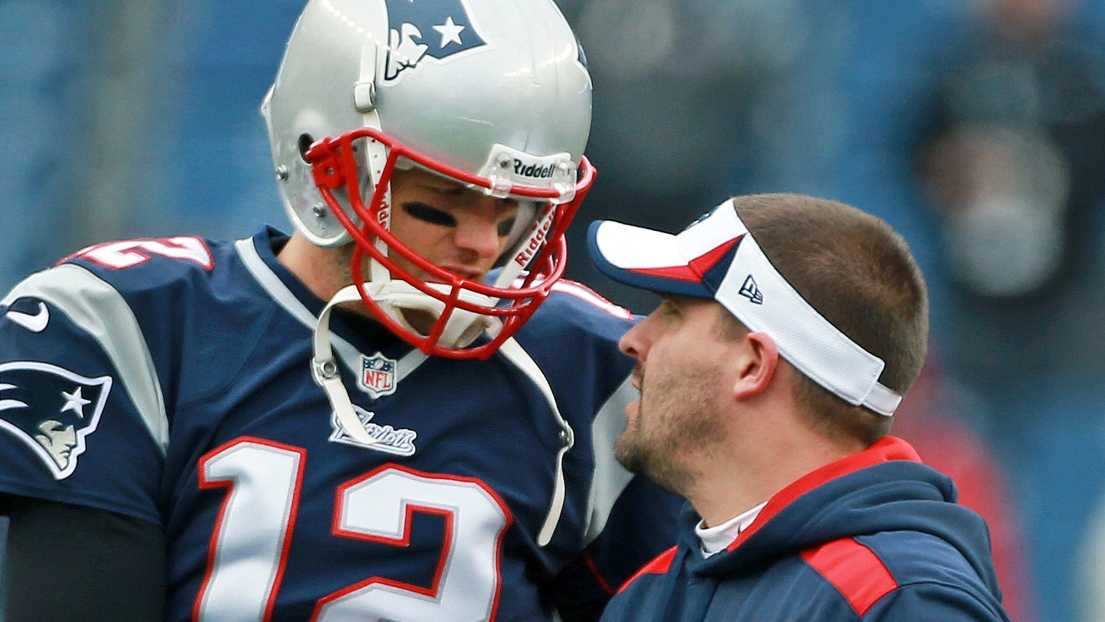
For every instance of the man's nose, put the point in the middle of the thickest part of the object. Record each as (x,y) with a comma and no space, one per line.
(632,342)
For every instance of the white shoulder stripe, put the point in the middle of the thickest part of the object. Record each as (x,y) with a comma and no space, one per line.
(268,280)
(516,354)
(611,478)
(98,309)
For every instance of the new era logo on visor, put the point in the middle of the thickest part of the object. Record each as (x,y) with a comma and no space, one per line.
(751,291)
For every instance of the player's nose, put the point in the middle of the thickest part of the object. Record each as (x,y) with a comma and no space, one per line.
(480,236)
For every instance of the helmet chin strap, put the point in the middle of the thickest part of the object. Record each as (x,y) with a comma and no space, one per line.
(404,302)
(393,295)
(397,298)
(327,373)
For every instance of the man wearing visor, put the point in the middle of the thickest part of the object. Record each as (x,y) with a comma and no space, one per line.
(789,329)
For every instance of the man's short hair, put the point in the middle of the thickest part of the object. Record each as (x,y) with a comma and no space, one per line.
(860,275)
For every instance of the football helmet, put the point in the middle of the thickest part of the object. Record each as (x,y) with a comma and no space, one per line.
(495,95)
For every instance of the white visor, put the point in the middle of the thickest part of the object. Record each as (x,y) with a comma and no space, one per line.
(717,258)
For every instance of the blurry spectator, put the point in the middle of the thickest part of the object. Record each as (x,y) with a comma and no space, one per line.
(668,75)
(1014,159)
(1013,164)
(938,417)
(1091,584)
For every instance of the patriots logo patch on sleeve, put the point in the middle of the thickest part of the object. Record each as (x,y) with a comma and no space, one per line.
(52,410)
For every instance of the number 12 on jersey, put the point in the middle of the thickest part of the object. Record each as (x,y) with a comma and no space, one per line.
(256,523)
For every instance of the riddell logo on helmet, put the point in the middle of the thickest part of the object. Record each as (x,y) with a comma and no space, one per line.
(524,256)
(534,170)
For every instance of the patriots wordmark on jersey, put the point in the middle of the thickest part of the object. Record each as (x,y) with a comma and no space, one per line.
(169,380)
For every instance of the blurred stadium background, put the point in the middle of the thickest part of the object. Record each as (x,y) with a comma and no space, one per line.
(975,127)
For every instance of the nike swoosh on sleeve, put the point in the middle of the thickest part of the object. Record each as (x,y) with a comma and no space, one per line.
(33,322)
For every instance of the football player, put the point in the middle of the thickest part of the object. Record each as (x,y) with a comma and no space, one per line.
(398,412)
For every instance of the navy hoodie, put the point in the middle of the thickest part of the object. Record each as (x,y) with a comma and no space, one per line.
(874,536)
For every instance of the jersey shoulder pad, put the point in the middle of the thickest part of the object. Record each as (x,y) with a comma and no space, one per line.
(577,313)
(573,293)
(149,262)
(575,302)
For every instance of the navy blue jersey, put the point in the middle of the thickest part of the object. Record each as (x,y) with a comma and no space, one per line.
(874,537)
(170,380)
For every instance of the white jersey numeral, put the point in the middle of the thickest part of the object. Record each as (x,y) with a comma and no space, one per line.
(255,526)
(129,253)
(246,559)
(378,507)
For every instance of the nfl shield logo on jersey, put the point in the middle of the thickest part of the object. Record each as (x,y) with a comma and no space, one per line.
(377,375)
(51,410)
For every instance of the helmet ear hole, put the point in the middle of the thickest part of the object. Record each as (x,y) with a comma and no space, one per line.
(305,142)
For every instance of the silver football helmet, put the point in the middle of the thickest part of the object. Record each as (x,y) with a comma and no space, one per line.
(493,94)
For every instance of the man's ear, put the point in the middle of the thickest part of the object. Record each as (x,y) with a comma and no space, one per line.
(757,362)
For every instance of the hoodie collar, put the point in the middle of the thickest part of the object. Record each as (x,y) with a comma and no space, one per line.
(886,449)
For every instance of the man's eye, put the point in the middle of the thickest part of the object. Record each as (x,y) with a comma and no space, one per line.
(429,214)
(505,227)
(669,306)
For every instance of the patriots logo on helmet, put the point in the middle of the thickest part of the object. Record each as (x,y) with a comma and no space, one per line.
(51,410)
(421,28)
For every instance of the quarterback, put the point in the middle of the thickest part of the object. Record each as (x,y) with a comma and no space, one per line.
(398,411)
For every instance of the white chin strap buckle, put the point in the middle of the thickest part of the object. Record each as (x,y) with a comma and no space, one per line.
(397,298)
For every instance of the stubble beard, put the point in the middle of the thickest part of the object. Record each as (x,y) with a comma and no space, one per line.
(681,421)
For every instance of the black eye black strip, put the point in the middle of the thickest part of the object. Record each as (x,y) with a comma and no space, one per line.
(430,214)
